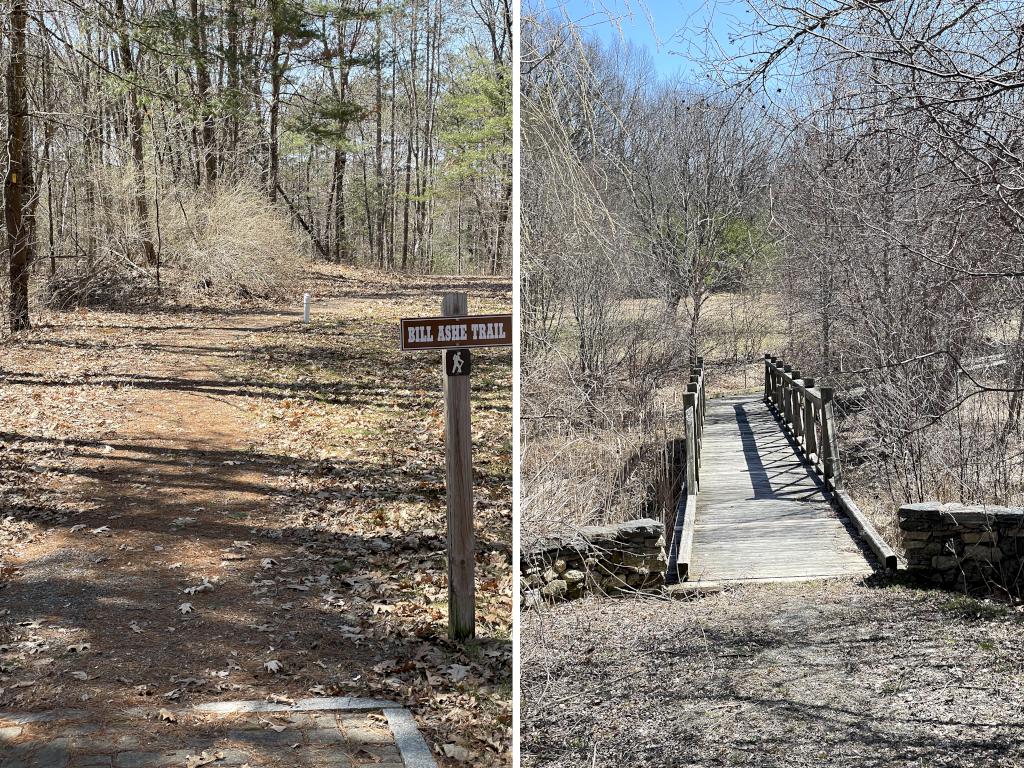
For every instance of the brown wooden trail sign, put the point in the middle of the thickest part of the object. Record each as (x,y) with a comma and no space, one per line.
(454,332)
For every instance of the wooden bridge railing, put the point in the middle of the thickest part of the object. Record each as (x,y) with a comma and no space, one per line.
(694,408)
(807,414)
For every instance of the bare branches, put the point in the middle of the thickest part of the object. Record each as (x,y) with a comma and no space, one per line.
(902,219)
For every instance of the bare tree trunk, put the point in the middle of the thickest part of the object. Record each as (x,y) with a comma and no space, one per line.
(234,75)
(371,242)
(379,147)
(505,210)
(208,148)
(413,117)
(276,74)
(341,248)
(17,184)
(393,171)
(134,129)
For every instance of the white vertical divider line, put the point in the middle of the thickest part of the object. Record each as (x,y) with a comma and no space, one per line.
(516,339)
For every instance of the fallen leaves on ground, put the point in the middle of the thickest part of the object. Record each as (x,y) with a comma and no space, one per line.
(319,544)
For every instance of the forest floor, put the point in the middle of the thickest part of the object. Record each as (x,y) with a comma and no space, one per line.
(844,673)
(190,495)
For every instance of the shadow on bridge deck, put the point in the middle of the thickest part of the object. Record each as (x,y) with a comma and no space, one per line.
(762,514)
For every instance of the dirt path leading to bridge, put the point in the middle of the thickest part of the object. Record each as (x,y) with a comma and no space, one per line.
(850,673)
(210,505)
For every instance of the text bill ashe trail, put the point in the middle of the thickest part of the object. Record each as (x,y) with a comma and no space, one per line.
(448,332)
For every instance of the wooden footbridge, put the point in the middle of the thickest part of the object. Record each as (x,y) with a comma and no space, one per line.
(762,499)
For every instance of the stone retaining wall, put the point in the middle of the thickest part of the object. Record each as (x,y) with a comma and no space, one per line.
(608,559)
(967,547)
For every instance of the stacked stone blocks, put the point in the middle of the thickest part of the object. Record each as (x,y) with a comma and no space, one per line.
(971,548)
(608,559)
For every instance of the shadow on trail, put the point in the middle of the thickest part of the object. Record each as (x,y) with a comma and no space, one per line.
(356,393)
(128,479)
(318,640)
(91,589)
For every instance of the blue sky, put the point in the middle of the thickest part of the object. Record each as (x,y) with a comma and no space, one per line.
(674,32)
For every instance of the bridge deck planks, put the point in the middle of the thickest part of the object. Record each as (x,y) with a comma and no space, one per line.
(761,513)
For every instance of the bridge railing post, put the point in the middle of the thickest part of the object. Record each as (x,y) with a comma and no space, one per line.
(702,400)
(767,376)
(691,417)
(692,449)
(777,384)
(772,396)
(693,391)
(810,438)
(829,447)
(787,409)
(776,366)
(795,409)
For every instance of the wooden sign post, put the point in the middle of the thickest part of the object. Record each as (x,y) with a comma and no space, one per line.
(458,463)
(454,332)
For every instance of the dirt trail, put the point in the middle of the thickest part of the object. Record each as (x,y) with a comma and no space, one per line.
(162,477)
(851,673)
(178,492)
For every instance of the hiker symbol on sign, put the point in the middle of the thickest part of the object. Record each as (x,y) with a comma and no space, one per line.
(457,362)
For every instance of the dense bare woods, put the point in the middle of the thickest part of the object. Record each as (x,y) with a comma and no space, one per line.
(846,190)
(379,132)
(646,233)
(902,220)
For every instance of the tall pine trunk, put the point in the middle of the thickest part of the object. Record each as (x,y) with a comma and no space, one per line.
(207,148)
(276,75)
(341,249)
(234,76)
(379,148)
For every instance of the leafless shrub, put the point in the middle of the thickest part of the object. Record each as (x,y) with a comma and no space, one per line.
(110,281)
(106,265)
(232,242)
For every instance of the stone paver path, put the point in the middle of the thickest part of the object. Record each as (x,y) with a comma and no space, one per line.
(189,738)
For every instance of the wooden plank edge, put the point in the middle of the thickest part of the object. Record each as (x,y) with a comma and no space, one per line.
(672,555)
(686,539)
(725,582)
(882,550)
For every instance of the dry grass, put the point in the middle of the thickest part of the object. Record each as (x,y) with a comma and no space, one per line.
(603,462)
(580,436)
(591,478)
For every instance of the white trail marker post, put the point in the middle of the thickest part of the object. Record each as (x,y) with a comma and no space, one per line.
(454,332)
(305,308)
